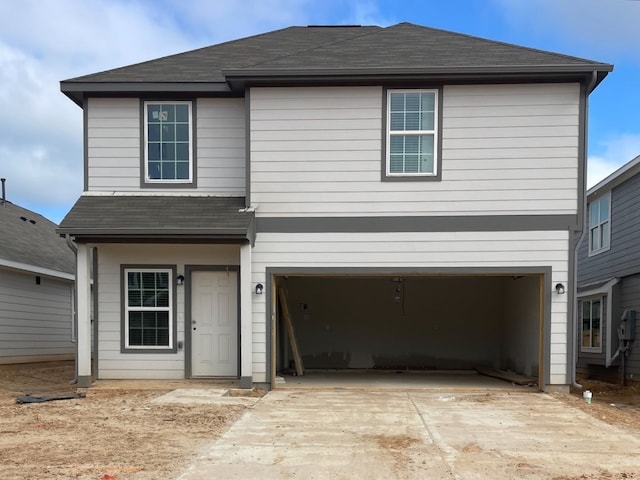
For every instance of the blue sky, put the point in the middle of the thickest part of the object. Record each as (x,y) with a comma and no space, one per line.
(45,41)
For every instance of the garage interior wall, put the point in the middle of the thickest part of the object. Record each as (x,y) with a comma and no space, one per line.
(413,322)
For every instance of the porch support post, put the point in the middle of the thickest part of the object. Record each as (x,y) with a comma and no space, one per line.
(83,288)
(246,320)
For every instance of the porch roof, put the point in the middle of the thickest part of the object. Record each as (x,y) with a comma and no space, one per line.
(159,218)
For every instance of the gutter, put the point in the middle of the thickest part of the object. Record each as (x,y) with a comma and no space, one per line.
(574,320)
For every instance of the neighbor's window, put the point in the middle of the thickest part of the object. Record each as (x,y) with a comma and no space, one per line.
(592,324)
(599,224)
(168,142)
(411,132)
(148,309)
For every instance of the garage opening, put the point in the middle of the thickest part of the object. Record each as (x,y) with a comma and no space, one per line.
(416,323)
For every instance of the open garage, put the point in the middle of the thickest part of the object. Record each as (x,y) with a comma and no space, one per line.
(409,323)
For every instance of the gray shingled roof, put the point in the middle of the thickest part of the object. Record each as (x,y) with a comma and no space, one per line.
(30,239)
(171,217)
(404,48)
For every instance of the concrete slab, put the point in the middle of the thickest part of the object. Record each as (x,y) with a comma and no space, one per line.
(412,434)
(219,396)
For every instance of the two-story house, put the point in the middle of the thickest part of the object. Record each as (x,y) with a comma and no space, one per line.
(332,197)
(609,278)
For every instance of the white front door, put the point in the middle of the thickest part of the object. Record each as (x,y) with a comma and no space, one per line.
(214,324)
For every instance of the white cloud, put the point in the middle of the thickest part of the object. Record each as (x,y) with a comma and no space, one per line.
(615,152)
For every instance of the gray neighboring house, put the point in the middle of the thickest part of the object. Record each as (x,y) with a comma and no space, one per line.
(414,196)
(36,289)
(609,278)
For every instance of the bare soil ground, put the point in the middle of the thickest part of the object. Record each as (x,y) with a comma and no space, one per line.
(119,434)
(110,434)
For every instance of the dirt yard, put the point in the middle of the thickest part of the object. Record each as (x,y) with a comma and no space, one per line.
(111,434)
(118,434)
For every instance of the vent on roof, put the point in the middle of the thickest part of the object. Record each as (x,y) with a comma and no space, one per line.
(25,219)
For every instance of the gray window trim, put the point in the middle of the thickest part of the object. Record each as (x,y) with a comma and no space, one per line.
(600,250)
(438,151)
(194,146)
(604,311)
(123,313)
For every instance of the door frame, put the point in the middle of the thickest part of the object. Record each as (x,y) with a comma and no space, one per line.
(188,291)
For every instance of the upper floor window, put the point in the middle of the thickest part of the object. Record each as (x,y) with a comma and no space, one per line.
(599,224)
(412,133)
(168,142)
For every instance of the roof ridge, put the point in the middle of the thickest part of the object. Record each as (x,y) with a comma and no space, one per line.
(497,42)
(378,30)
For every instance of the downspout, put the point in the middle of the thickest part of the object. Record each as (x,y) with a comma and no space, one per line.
(74,249)
(574,288)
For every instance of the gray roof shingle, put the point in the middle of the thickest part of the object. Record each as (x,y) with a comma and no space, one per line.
(319,51)
(30,239)
(171,217)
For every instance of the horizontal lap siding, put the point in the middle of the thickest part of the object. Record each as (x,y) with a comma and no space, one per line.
(114,141)
(465,250)
(221,146)
(34,319)
(111,362)
(623,257)
(507,149)
(630,300)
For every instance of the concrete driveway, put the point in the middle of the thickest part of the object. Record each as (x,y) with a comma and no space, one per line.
(414,434)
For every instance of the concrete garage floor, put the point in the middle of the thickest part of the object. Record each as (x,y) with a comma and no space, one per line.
(407,379)
(335,433)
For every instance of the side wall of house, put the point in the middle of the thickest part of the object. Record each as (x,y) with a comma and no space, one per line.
(416,250)
(112,364)
(623,256)
(114,146)
(630,300)
(506,149)
(35,320)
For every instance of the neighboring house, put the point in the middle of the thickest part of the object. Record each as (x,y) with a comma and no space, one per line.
(413,195)
(36,289)
(609,278)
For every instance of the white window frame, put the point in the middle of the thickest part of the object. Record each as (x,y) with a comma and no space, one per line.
(128,309)
(603,303)
(434,132)
(147,179)
(598,228)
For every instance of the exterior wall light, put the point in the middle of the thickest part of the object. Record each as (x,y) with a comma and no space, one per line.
(180,280)
(259,289)
(560,289)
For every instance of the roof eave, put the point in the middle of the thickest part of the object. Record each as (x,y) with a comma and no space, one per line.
(622,174)
(238,79)
(77,90)
(152,236)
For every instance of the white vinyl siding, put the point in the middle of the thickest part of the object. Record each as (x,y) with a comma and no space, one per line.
(506,150)
(463,250)
(114,146)
(112,364)
(35,320)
